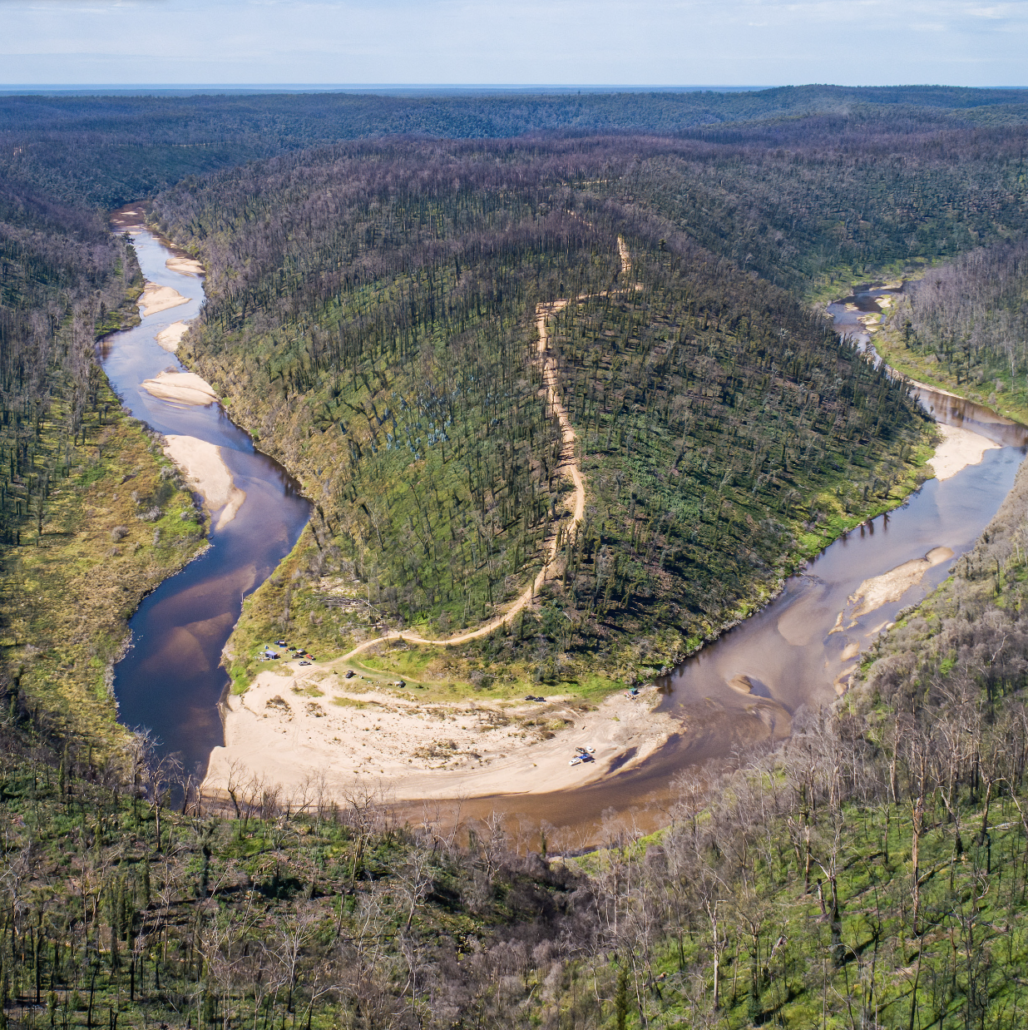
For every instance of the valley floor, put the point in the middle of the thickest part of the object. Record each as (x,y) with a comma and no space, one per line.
(302,732)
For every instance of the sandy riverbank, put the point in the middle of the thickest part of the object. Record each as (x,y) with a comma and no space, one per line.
(171,337)
(184,387)
(887,588)
(155,299)
(958,449)
(290,730)
(185,265)
(208,474)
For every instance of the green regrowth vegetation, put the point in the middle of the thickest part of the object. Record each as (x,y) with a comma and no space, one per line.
(117,525)
(871,872)
(721,442)
(874,871)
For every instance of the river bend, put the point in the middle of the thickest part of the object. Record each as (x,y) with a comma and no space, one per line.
(742,690)
(170,680)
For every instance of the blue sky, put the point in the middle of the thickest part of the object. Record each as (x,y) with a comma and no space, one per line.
(652,42)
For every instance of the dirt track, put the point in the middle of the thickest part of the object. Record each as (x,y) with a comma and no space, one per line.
(568,464)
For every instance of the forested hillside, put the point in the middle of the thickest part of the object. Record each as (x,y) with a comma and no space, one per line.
(817,202)
(964,325)
(316,258)
(807,203)
(109,151)
(371,320)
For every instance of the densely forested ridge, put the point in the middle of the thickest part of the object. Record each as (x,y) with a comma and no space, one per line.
(815,199)
(77,548)
(112,150)
(370,318)
(62,280)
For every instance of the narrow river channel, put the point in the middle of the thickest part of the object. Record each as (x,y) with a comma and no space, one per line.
(170,680)
(740,691)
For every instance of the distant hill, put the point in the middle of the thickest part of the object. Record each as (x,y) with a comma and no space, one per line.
(116,149)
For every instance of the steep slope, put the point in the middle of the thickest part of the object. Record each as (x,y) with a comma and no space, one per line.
(812,202)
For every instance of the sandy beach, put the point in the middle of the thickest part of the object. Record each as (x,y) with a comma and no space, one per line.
(187,266)
(288,730)
(207,473)
(156,298)
(171,337)
(958,449)
(184,387)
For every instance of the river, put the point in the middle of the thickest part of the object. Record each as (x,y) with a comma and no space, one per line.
(741,691)
(170,680)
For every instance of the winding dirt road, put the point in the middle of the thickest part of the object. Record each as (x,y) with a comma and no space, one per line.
(568,465)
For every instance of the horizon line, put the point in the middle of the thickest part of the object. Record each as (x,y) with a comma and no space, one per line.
(458,87)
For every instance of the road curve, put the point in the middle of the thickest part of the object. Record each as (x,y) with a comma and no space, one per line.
(568,464)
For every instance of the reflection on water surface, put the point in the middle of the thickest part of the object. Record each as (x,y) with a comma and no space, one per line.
(170,680)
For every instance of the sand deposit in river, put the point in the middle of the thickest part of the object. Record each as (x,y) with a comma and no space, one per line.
(888,587)
(184,265)
(958,449)
(207,473)
(184,387)
(155,299)
(288,730)
(742,683)
(171,337)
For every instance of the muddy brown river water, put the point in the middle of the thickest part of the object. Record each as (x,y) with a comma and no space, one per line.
(741,691)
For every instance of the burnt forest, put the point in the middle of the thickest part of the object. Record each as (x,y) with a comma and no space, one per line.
(556,378)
